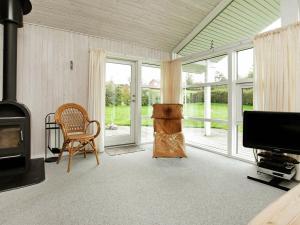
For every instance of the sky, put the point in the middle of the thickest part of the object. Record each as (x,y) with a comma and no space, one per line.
(245,64)
(121,73)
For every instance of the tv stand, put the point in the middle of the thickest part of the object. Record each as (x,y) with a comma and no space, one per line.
(274,182)
(277,165)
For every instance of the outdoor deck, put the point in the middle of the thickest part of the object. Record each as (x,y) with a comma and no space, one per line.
(217,141)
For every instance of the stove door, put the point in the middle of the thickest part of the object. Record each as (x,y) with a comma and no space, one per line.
(11,137)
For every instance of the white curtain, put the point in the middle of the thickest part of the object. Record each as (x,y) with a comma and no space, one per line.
(277,70)
(171,85)
(96,98)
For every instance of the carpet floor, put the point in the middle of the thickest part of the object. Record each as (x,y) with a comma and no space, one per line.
(134,189)
(123,150)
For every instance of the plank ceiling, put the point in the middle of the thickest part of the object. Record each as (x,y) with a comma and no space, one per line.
(241,19)
(159,24)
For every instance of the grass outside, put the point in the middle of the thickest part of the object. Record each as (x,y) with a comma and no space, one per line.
(120,115)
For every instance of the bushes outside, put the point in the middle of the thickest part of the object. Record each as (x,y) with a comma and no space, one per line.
(150,96)
(219,94)
(119,95)
(248,96)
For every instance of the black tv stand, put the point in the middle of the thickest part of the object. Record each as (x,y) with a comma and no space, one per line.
(274,182)
(276,165)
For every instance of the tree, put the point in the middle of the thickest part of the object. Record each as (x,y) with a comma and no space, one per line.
(126,94)
(118,99)
(109,93)
(145,97)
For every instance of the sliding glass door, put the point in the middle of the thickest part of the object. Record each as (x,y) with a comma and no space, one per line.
(120,102)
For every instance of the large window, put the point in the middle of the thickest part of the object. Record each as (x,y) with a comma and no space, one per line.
(245,64)
(214,101)
(205,94)
(150,95)
(244,99)
(244,103)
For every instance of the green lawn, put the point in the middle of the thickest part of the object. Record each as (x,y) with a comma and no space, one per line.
(120,115)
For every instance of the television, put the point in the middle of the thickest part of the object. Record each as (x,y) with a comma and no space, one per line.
(272,131)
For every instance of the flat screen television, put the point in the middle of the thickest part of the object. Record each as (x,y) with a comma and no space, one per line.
(272,131)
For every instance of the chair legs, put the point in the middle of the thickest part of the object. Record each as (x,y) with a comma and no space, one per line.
(70,161)
(71,151)
(95,151)
(84,149)
(61,152)
(84,153)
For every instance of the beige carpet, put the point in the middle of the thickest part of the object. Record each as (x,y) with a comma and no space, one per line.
(135,189)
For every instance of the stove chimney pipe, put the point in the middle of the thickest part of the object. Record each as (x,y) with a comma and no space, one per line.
(11,16)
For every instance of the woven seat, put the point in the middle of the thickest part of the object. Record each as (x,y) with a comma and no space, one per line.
(81,137)
(74,122)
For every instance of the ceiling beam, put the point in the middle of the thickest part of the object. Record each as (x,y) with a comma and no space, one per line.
(213,14)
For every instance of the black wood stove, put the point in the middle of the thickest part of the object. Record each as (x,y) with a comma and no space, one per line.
(15,147)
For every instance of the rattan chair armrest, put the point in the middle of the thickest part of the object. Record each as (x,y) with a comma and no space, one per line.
(98,126)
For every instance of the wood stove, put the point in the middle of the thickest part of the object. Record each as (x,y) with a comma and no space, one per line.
(14,138)
(14,116)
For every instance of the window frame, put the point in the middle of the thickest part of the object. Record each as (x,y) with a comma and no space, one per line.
(247,79)
(239,100)
(210,84)
(232,82)
(153,65)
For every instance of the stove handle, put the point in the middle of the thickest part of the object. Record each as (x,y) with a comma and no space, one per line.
(21,135)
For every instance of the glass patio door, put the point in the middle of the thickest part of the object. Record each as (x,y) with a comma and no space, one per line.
(120,102)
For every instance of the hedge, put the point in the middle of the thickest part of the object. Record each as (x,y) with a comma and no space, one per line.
(218,95)
(120,95)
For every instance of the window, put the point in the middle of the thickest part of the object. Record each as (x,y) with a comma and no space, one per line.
(245,64)
(212,95)
(247,99)
(117,99)
(245,103)
(244,97)
(205,95)
(150,95)
(217,69)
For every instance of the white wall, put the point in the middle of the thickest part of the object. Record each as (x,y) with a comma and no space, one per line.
(45,80)
(289,11)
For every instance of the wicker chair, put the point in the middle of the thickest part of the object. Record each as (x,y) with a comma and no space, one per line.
(74,122)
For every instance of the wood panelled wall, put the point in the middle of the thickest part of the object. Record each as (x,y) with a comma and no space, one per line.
(45,79)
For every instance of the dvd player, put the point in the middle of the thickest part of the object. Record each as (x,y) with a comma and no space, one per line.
(283,167)
(284,170)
